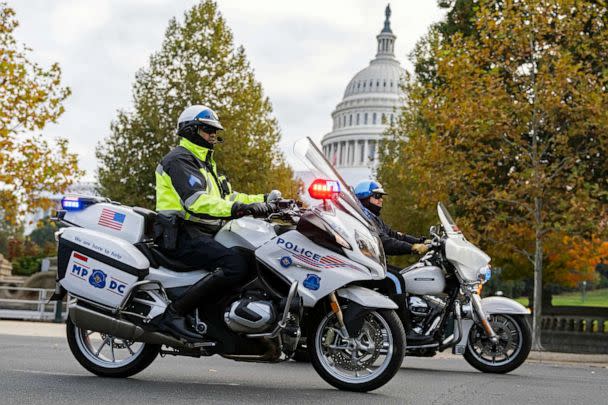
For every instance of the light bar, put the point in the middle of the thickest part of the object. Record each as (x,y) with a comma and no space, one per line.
(77,203)
(324,189)
(71,204)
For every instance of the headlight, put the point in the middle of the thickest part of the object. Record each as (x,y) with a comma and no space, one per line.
(369,248)
(485,273)
(341,241)
(337,232)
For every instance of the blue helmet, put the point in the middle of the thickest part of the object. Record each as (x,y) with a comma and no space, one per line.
(366,188)
(198,115)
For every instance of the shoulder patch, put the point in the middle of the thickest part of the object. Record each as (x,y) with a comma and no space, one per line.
(193,181)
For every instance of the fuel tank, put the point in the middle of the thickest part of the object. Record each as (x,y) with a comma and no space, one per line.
(247,232)
(421,279)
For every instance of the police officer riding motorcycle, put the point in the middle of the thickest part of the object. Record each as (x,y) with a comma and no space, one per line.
(193,200)
(371,195)
(439,296)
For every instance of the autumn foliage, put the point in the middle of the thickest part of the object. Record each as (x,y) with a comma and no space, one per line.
(508,125)
(31,166)
(572,259)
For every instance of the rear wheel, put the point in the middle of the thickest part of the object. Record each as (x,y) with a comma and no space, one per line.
(362,362)
(512,349)
(109,356)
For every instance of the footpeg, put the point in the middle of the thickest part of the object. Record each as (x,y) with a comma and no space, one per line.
(203,344)
(201,327)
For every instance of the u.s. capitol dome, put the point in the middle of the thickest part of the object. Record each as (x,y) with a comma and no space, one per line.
(367,108)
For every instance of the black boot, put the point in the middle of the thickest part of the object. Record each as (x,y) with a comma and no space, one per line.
(207,290)
(175,324)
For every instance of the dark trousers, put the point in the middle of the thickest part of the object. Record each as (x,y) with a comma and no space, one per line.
(205,252)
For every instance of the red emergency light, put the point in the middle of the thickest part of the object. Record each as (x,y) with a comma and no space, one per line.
(324,189)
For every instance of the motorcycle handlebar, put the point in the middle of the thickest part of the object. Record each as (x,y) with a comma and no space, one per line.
(283,209)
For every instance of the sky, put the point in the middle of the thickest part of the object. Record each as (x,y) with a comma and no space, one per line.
(303,52)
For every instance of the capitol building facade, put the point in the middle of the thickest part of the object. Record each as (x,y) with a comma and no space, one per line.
(367,108)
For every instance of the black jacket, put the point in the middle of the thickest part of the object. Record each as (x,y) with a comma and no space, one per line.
(394,243)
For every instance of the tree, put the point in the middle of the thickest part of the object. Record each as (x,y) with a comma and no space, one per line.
(30,98)
(460,18)
(580,256)
(44,234)
(514,131)
(198,64)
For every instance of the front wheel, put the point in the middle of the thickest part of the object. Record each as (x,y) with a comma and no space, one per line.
(512,349)
(362,362)
(108,356)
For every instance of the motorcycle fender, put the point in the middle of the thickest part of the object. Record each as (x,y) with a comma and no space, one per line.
(366,297)
(502,305)
(490,305)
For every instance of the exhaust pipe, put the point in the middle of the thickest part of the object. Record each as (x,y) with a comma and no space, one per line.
(89,319)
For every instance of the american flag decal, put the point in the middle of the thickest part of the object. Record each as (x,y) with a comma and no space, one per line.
(111,219)
(326,262)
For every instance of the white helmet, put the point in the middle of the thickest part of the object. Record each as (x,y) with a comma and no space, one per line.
(198,115)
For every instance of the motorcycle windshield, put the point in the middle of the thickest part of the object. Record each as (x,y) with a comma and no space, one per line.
(466,257)
(321,168)
(447,221)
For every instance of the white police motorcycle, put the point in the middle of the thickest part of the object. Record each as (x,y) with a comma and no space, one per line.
(119,281)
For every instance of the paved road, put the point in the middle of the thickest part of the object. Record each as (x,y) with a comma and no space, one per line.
(41,370)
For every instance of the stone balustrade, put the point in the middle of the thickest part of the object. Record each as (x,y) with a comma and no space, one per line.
(575,329)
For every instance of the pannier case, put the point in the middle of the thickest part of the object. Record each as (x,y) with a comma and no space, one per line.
(98,267)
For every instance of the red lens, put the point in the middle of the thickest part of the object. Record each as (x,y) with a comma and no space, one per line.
(324,189)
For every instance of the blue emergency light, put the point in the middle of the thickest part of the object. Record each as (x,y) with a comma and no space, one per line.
(77,203)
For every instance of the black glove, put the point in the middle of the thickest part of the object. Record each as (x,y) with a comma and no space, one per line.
(258,210)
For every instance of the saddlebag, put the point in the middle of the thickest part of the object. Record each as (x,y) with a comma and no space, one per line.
(98,267)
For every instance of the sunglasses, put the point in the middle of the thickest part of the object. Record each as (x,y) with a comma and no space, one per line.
(208,129)
(378,196)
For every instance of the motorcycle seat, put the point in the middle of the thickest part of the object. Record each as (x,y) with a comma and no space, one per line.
(172,264)
(153,253)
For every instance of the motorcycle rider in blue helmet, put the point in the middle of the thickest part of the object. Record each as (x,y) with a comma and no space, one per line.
(371,194)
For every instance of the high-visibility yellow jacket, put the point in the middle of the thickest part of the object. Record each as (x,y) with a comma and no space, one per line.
(187,185)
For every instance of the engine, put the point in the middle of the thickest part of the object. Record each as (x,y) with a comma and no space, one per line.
(425,313)
(250,315)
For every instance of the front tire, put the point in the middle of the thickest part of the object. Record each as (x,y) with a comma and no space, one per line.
(364,362)
(515,341)
(108,356)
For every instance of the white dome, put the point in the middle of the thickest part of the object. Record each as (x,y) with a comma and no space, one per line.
(369,104)
(381,76)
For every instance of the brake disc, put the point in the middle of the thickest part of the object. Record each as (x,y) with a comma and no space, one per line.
(372,333)
(490,349)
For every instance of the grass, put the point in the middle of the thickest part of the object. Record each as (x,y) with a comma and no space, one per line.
(594,298)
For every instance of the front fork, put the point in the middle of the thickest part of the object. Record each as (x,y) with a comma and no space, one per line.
(336,309)
(476,301)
